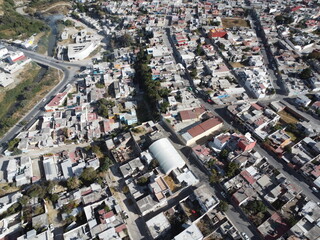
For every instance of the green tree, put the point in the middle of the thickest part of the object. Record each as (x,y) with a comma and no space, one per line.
(142,181)
(224,154)
(54,198)
(36,190)
(232,167)
(125,40)
(24,200)
(73,183)
(193,72)
(288,149)
(214,177)
(13,144)
(164,106)
(223,206)
(257,206)
(105,163)
(306,73)
(88,175)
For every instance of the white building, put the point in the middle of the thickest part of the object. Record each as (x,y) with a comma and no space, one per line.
(167,156)
(77,52)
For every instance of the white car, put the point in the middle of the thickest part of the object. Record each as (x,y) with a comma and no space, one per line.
(315,189)
(245,236)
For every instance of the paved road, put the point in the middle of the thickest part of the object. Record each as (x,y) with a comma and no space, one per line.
(68,71)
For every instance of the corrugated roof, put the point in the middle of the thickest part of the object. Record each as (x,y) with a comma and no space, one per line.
(167,156)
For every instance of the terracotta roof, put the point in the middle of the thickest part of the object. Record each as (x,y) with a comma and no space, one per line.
(56,101)
(224,138)
(316,171)
(247,176)
(256,106)
(191,114)
(296,8)
(218,34)
(120,228)
(205,126)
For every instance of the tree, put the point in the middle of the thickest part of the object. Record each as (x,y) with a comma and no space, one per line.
(215,23)
(164,106)
(125,40)
(214,177)
(257,206)
(24,200)
(73,183)
(223,206)
(193,72)
(142,181)
(54,198)
(224,154)
(36,190)
(315,54)
(288,149)
(105,163)
(13,143)
(306,73)
(232,167)
(88,175)
(50,185)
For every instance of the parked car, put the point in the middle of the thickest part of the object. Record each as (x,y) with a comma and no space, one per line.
(224,194)
(245,236)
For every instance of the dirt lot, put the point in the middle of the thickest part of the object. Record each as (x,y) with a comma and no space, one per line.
(234,22)
(237,65)
(287,117)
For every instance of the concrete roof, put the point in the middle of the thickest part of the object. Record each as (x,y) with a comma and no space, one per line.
(157,225)
(191,233)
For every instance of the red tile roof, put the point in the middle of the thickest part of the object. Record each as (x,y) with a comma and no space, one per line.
(205,126)
(256,106)
(218,34)
(191,114)
(247,176)
(296,8)
(120,228)
(316,171)
(56,101)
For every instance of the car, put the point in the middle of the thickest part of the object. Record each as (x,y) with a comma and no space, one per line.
(125,214)
(224,194)
(244,236)
(315,189)
(51,227)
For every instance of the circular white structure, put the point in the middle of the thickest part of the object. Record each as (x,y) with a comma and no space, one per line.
(167,156)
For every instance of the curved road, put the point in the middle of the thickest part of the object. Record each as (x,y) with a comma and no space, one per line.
(68,70)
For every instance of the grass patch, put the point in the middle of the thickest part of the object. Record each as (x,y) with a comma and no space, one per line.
(13,25)
(19,100)
(287,117)
(172,185)
(292,136)
(43,42)
(234,22)
(6,188)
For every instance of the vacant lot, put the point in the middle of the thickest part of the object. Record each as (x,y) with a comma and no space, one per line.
(17,101)
(237,65)
(287,117)
(234,22)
